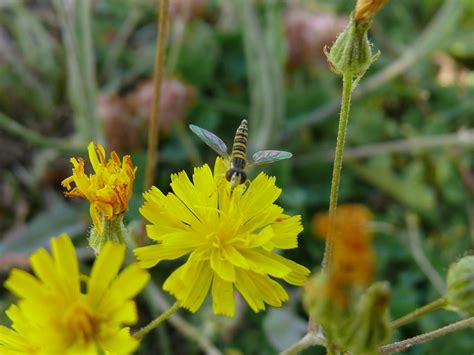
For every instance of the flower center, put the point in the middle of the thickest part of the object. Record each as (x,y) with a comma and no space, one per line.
(80,323)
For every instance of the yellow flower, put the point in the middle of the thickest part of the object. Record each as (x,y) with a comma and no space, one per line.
(230,236)
(54,315)
(108,189)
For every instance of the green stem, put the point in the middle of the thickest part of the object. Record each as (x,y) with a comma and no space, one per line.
(423,338)
(157,321)
(336,173)
(430,307)
(16,129)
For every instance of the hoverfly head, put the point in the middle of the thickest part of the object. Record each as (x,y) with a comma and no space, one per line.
(236,176)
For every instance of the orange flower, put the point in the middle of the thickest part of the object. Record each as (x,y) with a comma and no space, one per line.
(108,189)
(352,262)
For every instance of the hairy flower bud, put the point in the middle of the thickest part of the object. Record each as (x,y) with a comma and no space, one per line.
(369,327)
(460,285)
(351,52)
(112,230)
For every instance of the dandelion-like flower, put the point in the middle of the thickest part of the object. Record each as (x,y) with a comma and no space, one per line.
(108,189)
(229,236)
(53,315)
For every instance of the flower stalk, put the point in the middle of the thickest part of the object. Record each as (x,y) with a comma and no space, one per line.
(157,321)
(423,338)
(430,307)
(154,121)
(336,174)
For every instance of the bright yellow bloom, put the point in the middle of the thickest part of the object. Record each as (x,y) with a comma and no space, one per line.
(108,189)
(230,237)
(54,315)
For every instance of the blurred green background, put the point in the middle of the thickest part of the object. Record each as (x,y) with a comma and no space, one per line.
(75,71)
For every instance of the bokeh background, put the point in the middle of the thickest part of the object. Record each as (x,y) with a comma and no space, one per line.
(74,71)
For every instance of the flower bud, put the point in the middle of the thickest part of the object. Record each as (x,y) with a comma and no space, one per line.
(112,230)
(351,52)
(369,327)
(460,285)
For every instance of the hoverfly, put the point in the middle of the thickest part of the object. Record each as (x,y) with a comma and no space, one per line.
(236,174)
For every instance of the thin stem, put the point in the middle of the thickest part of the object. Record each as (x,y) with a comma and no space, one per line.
(336,173)
(155,104)
(414,241)
(310,339)
(16,129)
(154,121)
(157,302)
(157,321)
(430,307)
(423,338)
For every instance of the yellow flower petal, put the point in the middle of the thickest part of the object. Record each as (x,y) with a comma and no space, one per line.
(130,282)
(221,266)
(151,255)
(286,232)
(66,262)
(105,269)
(264,262)
(121,343)
(23,284)
(222,297)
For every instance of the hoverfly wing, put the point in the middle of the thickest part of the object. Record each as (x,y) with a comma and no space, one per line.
(211,140)
(270,156)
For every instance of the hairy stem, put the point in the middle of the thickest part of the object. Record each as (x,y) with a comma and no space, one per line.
(157,321)
(336,173)
(430,307)
(423,338)
(154,120)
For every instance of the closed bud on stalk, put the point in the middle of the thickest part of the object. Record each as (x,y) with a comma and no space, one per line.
(111,230)
(351,52)
(369,326)
(460,285)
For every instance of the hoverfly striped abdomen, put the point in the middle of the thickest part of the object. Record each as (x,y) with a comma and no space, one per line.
(238,160)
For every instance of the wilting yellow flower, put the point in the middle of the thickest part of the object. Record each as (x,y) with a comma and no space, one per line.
(108,189)
(353,260)
(54,315)
(230,236)
(365,9)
